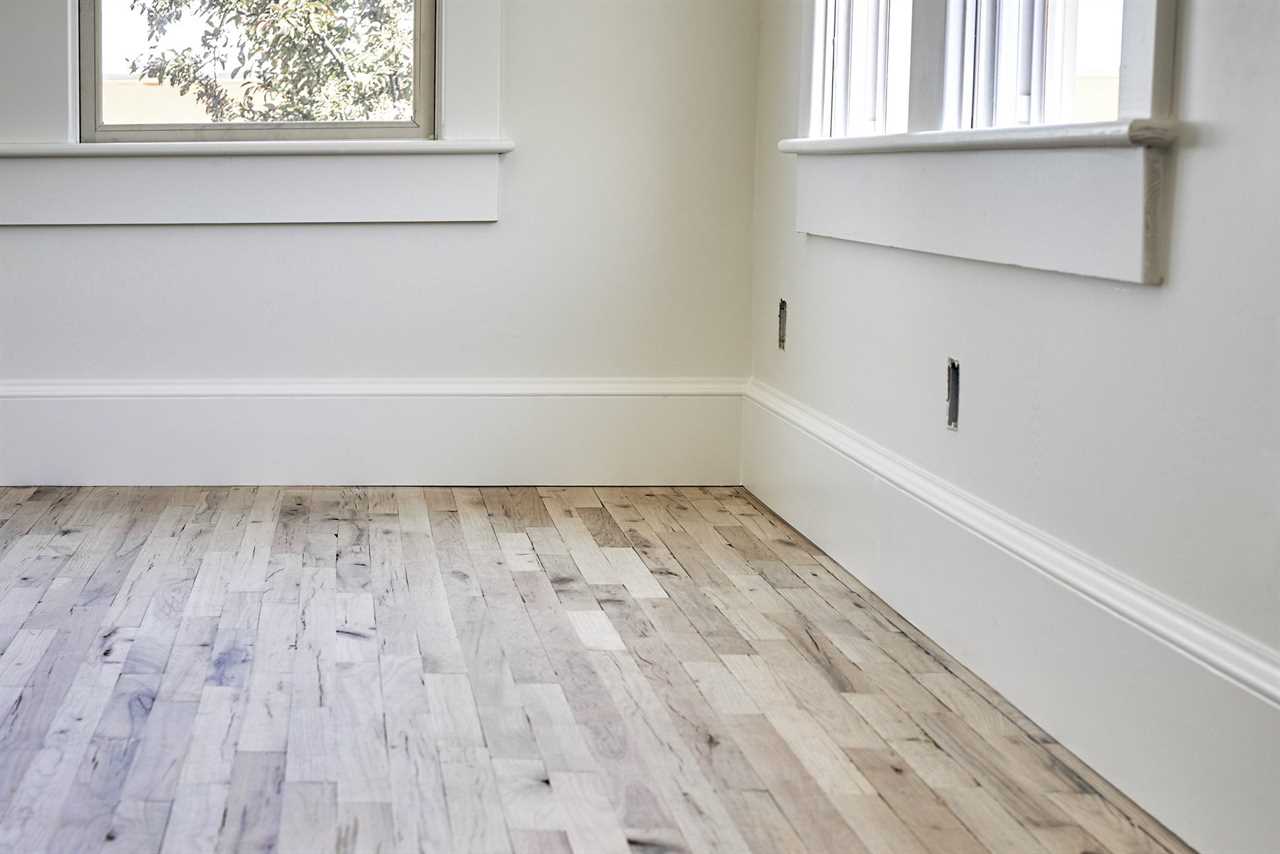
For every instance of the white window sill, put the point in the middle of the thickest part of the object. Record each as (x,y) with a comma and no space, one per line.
(1083,199)
(1121,134)
(258,149)
(199,183)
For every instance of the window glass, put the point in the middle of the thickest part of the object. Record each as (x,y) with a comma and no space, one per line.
(207,62)
(890,66)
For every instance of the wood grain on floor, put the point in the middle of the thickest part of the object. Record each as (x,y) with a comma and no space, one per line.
(499,671)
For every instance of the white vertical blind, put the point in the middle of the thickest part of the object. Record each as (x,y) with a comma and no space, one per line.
(878,54)
(955,66)
(1039,32)
(842,58)
(1030,62)
(1021,99)
(1026,58)
(823,79)
(857,53)
(986,53)
(989,63)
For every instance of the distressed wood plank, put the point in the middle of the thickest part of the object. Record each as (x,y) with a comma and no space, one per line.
(197,670)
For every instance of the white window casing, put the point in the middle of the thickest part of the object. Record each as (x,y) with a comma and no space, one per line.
(959,64)
(93,128)
(1146,59)
(52,178)
(985,170)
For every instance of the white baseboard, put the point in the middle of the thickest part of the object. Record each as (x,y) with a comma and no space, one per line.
(476,432)
(1179,711)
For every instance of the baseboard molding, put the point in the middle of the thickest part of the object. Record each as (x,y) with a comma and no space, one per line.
(1251,665)
(373,388)
(349,431)
(1178,710)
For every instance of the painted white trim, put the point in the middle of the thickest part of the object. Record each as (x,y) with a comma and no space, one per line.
(50,178)
(295,148)
(469,77)
(1147,58)
(1121,134)
(374,388)
(613,431)
(39,84)
(42,106)
(377,186)
(1088,211)
(92,23)
(1215,646)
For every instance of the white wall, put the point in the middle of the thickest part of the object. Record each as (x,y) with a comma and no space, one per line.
(1140,425)
(622,249)
(622,252)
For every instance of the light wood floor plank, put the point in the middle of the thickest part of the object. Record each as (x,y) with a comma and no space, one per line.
(309,818)
(254,803)
(499,670)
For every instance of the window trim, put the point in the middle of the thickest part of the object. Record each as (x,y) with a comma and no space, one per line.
(1080,199)
(938,71)
(1125,133)
(52,178)
(422,127)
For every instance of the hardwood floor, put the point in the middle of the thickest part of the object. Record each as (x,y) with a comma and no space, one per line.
(492,670)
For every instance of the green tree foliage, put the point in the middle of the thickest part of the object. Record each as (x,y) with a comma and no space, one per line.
(287,60)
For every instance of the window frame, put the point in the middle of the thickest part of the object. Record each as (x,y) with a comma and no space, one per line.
(1085,199)
(948,80)
(422,127)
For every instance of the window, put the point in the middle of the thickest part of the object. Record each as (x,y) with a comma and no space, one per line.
(861,55)
(1025,62)
(893,66)
(1042,126)
(256,69)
